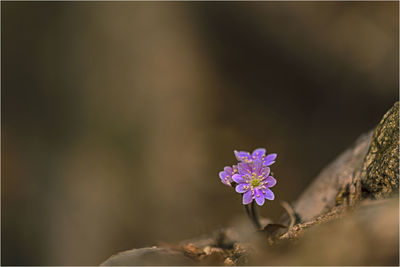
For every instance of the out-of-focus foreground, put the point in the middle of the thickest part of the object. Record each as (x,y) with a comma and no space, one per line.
(117,117)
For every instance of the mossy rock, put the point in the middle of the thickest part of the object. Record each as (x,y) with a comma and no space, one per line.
(380,171)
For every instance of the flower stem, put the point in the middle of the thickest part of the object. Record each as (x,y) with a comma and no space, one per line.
(252,214)
(256,220)
(246,207)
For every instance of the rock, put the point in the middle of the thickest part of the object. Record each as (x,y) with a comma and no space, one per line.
(369,169)
(380,172)
(339,178)
(368,235)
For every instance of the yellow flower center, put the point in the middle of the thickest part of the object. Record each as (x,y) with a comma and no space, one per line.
(255,182)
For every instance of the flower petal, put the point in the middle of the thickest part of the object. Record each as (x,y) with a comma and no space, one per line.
(247,197)
(222,175)
(228,170)
(268,194)
(242,188)
(271,181)
(259,196)
(257,166)
(242,155)
(235,168)
(266,171)
(244,168)
(238,178)
(270,159)
(258,153)
(226,182)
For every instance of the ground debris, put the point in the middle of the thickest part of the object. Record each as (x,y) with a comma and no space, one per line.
(228,262)
(296,231)
(192,251)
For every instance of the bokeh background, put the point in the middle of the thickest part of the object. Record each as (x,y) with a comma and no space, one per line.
(118,116)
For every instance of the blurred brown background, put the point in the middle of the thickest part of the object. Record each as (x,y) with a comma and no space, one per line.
(118,116)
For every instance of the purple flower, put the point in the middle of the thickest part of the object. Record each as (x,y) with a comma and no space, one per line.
(269,159)
(258,154)
(254,181)
(226,174)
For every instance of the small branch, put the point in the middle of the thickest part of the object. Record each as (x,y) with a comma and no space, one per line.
(290,212)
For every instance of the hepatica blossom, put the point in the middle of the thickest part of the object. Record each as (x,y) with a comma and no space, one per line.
(227,173)
(254,182)
(259,153)
(251,176)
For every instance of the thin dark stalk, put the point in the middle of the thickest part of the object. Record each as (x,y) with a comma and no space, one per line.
(250,214)
(256,220)
(246,207)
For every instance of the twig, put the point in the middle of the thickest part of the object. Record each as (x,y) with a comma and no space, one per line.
(289,211)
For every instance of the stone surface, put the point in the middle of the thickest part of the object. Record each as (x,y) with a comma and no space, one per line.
(367,235)
(380,172)
(341,177)
(368,169)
